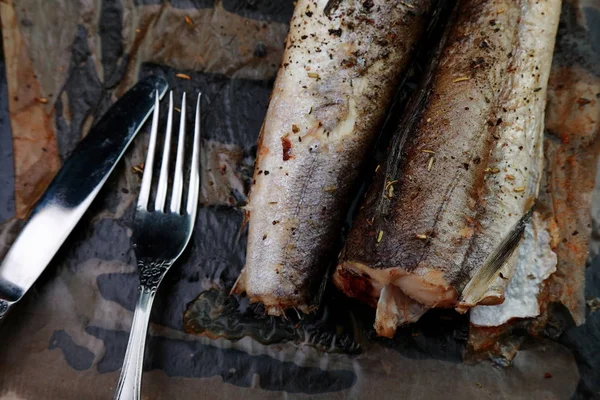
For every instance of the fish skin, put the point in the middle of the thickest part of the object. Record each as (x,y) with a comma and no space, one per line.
(572,151)
(482,123)
(321,123)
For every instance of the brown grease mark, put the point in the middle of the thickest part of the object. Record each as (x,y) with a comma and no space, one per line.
(34,145)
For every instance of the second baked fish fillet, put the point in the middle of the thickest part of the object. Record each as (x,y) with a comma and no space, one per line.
(341,67)
(451,202)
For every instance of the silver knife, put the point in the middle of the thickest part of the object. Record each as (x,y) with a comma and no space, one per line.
(73,189)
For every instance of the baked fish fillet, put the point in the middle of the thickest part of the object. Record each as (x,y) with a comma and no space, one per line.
(341,67)
(449,206)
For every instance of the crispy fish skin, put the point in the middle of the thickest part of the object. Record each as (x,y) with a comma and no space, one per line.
(342,64)
(465,170)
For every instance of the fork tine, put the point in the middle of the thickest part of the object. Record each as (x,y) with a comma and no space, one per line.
(161,193)
(147,176)
(178,180)
(194,185)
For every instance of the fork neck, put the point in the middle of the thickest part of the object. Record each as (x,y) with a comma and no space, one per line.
(152,273)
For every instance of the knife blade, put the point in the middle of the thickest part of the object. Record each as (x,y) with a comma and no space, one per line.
(73,189)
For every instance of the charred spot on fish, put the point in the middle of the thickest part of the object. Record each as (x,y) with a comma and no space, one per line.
(368,5)
(348,63)
(275,222)
(335,32)
(267,173)
(331,6)
(287,148)
(313,148)
(477,160)
(309,14)
(264,236)
(466,166)
(477,62)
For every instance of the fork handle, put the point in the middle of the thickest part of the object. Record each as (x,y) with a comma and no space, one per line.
(130,381)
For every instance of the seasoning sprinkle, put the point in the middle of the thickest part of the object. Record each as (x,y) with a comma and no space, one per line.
(138,168)
(313,75)
(377,168)
(407,5)
(421,236)
(295,128)
(492,170)
(519,189)
(389,183)
(42,100)
(379,236)
(430,163)
(428,151)
(330,189)
(462,78)
(188,20)
(183,76)
(177,109)
(510,177)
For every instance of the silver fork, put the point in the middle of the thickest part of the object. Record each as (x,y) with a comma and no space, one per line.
(159,237)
